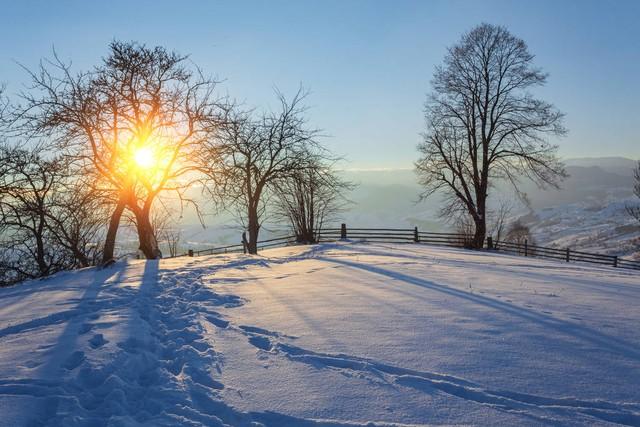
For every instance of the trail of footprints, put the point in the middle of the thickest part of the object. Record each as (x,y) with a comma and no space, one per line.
(621,413)
(163,370)
(171,358)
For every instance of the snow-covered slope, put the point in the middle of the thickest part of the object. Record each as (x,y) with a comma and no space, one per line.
(336,334)
(600,226)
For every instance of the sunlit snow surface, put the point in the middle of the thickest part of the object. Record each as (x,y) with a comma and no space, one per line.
(336,334)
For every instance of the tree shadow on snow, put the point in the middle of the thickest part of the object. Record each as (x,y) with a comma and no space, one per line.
(48,380)
(581,332)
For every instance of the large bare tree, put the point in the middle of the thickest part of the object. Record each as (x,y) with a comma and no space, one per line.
(134,124)
(483,124)
(252,153)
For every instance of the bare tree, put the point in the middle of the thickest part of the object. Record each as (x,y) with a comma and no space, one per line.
(483,124)
(43,227)
(135,123)
(634,211)
(76,219)
(518,233)
(250,155)
(500,218)
(26,183)
(171,237)
(464,228)
(164,228)
(308,198)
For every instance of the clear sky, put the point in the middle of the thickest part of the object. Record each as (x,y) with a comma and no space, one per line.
(368,64)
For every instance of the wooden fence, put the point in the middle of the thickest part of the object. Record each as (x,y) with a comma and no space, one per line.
(566,254)
(413,235)
(262,244)
(395,235)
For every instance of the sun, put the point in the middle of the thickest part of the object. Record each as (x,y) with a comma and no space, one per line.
(144,158)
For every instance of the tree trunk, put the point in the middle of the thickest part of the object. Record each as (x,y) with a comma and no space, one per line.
(146,236)
(308,236)
(43,266)
(312,217)
(480,232)
(254,228)
(80,257)
(110,241)
(480,216)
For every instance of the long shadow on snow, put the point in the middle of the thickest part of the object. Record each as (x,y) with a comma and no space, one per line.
(83,306)
(158,373)
(163,371)
(48,380)
(200,402)
(610,343)
(547,269)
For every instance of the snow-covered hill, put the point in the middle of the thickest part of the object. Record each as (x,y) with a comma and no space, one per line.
(600,226)
(336,334)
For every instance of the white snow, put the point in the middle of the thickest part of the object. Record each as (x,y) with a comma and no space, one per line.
(598,226)
(334,334)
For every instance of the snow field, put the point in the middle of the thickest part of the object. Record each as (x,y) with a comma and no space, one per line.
(334,334)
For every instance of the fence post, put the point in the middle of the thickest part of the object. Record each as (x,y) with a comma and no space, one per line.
(526,247)
(568,254)
(244,242)
(416,236)
(615,260)
(343,231)
(190,252)
(489,242)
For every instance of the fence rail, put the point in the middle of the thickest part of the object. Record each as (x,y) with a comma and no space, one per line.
(395,235)
(566,254)
(262,244)
(413,235)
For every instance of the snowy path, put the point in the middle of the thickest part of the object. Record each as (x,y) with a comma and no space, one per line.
(340,334)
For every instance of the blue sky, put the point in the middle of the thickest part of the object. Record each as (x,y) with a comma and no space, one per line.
(368,64)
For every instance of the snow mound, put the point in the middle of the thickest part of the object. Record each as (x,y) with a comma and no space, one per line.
(345,334)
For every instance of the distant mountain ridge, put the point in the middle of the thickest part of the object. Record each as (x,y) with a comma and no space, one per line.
(589,178)
(618,165)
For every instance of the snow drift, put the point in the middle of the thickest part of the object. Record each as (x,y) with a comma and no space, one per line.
(335,334)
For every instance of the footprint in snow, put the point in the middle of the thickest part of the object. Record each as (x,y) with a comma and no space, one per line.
(203,378)
(86,327)
(261,342)
(260,331)
(73,361)
(220,323)
(97,341)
